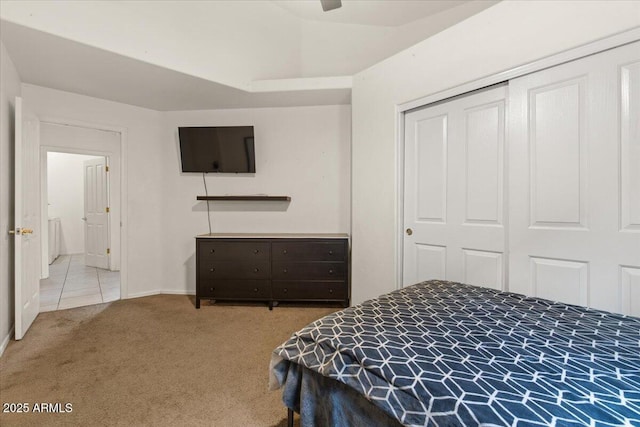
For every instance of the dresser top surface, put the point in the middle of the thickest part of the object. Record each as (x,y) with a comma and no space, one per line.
(273,236)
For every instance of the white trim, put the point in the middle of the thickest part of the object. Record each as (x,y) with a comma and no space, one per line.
(123,131)
(44,215)
(143,294)
(400,123)
(178,292)
(160,292)
(597,46)
(300,84)
(611,42)
(5,341)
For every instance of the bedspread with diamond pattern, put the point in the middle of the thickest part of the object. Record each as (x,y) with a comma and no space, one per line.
(447,354)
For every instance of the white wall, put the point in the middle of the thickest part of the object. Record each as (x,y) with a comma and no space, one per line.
(65,190)
(301,152)
(9,89)
(502,37)
(142,208)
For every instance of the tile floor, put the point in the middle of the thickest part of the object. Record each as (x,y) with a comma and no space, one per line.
(73,284)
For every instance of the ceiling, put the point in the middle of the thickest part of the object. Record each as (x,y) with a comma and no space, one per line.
(57,62)
(381,13)
(74,67)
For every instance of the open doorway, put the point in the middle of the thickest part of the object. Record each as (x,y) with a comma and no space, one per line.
(78,249)
(80,211)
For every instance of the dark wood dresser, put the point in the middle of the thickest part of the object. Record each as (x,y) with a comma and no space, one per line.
(272,268)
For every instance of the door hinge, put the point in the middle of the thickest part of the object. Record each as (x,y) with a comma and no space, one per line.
(108,251)
(106,209)
(106,168)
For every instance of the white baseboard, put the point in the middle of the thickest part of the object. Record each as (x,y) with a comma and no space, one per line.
(5,341)
(144,294)
(160,292)
(178,292)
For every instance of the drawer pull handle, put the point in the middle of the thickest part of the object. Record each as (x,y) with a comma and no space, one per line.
(212,270)
(285,270)
(285,290)
(255,251)
(255,289)
(212,251)
(330,252)
(213,289)
(255,270)
(330,291)
(284,251)
(330,271)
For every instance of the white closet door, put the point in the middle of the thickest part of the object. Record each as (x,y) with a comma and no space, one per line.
(574,144)
(454,186)
(96,213)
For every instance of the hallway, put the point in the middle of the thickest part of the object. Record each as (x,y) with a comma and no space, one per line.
(72,284)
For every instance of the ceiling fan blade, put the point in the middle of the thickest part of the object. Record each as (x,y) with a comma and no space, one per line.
(328,5)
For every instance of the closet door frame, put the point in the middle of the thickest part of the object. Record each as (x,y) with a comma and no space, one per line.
(569,55)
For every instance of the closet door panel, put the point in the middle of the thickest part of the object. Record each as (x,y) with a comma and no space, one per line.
(454,191)
(571,197)
(484,145)
(630,148)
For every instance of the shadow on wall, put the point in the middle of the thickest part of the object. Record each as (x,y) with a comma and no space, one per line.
(11,220)
(190,273)
(243,206)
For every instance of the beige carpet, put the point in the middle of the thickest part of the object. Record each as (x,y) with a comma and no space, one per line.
(151,361)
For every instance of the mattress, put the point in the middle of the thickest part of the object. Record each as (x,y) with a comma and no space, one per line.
(444,353)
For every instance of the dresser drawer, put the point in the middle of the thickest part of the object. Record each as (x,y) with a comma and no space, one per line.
(235,269)
(236,289)
(309,251)
(295,290)
(233,250)
(309,271)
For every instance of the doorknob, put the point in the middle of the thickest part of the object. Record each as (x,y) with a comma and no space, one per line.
(84,218)
(409,231)
(19,231)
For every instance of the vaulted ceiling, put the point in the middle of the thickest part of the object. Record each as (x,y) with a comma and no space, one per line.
(187,55)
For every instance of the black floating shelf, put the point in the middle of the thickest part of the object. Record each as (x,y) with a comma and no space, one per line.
(247,198)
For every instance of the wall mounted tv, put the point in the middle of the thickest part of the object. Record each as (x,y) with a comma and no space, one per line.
(225,149)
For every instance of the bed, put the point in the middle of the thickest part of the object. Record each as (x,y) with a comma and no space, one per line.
(447,354)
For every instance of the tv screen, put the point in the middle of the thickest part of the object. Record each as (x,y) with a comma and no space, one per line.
(226,149)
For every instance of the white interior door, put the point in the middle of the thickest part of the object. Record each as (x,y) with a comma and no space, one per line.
(96,213)
(27,218)
(454,188)
(575,182)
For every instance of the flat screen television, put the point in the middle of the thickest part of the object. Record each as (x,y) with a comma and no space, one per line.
(224,149)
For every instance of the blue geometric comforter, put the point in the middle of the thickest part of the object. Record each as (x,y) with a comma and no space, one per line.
(446,354)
